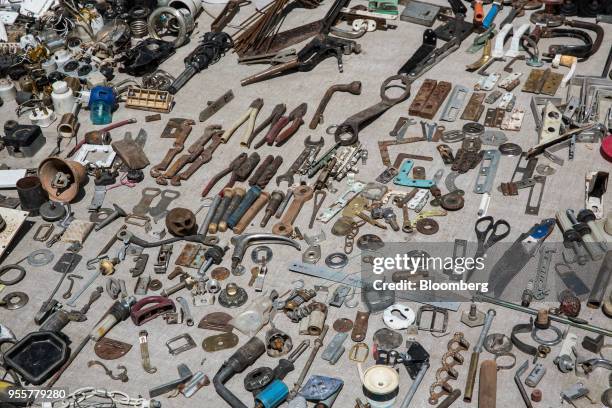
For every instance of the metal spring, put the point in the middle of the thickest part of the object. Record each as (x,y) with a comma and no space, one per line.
(301,312)
(139,28)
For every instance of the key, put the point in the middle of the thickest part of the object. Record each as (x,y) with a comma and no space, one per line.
(254,275)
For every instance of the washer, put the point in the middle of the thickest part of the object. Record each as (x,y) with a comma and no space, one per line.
(336,260)
(398,316)
(545,169)
(15,300)
(370,242)
(40,257)
(256,253)
(510,149)
(427,226)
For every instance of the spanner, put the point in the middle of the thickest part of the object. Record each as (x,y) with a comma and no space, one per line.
(187,317)
(300,195)
(309,147)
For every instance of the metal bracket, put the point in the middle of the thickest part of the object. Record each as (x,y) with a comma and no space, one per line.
(87,149)
(455,103)
(403,179)
(551,123)
(487,171)
(540,182)
(341,202)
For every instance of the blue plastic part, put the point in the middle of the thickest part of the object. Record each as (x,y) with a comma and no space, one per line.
(403,177)
(488,20)
(543,229)
(102,100)
(273,395)
(245,204)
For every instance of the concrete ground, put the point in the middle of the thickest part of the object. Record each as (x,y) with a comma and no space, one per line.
(382,54)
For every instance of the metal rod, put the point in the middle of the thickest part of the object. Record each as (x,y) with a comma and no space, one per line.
(572,322)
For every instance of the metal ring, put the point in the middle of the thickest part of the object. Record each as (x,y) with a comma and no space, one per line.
(536,337)
(10,304)
(40,257)
(183,18)
(505,367)
(510,149)
(427,226)
(336,260)
(267,251)
(4,269)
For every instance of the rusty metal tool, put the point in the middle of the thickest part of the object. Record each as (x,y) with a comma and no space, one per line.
(249,116)
(301,195)
(99,135)
(280,133)
(178,129)
(240,169)
(353,88)
(276,198)
(226,15)
(202,158)
(192,154)
(215,106)
(278,111)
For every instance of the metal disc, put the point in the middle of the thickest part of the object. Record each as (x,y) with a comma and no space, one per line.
(220,273)
(51,211)
(427,226)
(510,149)
(370,242)
(343,325)
(15,300)
(387,339)
(40,257)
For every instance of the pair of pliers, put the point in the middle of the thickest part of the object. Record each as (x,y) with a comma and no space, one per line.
(278,134)
(250,115)
(278,111)
(241,167)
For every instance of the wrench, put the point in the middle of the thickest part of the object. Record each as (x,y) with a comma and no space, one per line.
(309,148)
(353,88)
(301,194)
(187,317)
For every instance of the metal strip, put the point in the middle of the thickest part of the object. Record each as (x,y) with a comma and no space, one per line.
(535,209)
(455,103)
(487,171)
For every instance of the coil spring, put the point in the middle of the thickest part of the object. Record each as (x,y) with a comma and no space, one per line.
(139,28)
(301,312)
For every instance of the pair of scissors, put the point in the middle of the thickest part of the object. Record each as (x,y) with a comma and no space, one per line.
(487,233)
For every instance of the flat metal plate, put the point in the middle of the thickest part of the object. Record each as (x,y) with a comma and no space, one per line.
(418,12)
(8,178)
(487,171)
(14,220)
